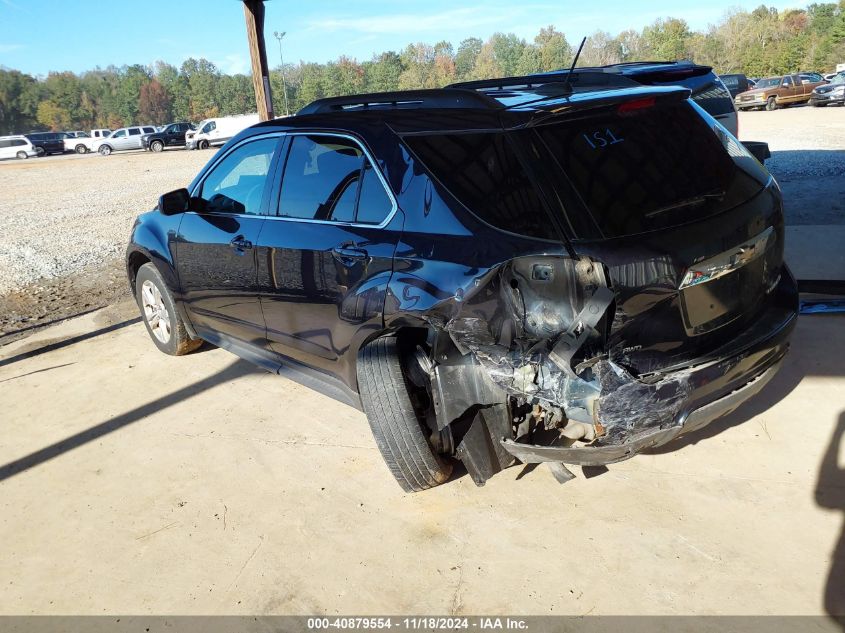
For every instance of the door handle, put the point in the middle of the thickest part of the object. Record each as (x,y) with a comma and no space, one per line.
(349,256)
(239,243)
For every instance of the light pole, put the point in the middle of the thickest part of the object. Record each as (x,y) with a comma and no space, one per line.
(279,37)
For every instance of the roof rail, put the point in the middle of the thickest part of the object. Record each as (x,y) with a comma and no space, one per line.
(588,77)
(429,98)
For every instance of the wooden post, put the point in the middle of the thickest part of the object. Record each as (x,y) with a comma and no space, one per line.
(254,14)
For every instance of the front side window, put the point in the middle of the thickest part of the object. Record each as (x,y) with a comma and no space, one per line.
(787,81)
(119,134)
(209,127)
(330,178)
(236,184)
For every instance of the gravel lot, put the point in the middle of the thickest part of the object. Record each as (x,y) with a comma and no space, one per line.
(66,219)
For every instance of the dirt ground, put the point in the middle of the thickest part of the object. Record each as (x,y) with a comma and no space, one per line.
(69,217)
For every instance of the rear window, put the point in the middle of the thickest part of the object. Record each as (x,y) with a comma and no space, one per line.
(643,170)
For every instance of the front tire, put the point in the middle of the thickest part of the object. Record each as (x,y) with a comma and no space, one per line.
(104,150)
(158,310)
(396,427)
(157,146)
(771,104)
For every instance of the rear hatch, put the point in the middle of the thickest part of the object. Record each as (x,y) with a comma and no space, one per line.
(686,223)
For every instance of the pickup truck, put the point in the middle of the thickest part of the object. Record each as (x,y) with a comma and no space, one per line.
(775,92)
(171,136)
(83,142)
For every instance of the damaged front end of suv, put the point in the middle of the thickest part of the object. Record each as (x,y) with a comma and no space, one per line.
(625,333)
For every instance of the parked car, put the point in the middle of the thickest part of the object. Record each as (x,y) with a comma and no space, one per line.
(47,142)
(172,135)
(736,83)
(77,141)
(775,92)
(216,131)
(122,139)
(566,269)
(833,92)
(811,77)
(16,146)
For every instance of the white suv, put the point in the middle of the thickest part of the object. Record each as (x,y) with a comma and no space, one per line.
(16,147)
(124,138)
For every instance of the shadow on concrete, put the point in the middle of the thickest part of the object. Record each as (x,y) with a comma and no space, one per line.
(830,494)
(236,370)
(51,347)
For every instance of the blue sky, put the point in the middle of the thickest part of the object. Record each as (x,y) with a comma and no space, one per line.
(37,36)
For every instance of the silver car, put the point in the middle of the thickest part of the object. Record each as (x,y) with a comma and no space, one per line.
(124,138)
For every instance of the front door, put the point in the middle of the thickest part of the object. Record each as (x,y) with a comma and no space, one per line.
(325,259)
(215,253)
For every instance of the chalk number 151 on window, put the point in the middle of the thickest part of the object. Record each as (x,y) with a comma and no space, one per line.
(601,138)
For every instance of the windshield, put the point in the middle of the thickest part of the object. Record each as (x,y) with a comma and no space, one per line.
(772,82)
(839,79)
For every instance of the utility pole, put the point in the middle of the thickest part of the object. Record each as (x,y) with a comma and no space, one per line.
(279,37)
(254,15)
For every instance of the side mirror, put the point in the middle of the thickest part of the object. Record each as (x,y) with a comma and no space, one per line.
(174,202)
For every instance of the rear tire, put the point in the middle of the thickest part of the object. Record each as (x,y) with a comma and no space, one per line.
(157,146)
(203,145)
(158,310)
(40,151)
(81,149)
(771,104)
(21,155)
(396,427)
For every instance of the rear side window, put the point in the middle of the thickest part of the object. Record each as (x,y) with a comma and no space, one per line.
(18,141)
(330,178)
(133,131)
(483,172)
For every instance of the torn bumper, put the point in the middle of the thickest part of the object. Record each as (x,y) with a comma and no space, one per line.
(598,454)
(649,415)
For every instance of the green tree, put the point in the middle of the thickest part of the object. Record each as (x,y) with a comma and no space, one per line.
(554,50)
(468,51)
(53,116)
(382,74)
(667,39)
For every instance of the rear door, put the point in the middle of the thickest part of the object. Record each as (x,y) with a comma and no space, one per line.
(215,252)
(325,259)
(133,139)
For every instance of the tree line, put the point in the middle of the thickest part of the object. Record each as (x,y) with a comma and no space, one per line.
(759,43)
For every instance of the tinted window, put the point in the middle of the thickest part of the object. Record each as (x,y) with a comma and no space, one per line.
(149,130)
(644,170)
(330,178)
(17,141)
(134,131)
(119,133)
(321,178)
(236,184)
(374,205)
(483,173)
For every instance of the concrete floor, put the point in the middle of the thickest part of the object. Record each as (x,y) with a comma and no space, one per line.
(133,482)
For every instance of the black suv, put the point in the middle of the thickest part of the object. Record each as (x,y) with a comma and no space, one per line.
(47,142)
(171,136)
(566,270)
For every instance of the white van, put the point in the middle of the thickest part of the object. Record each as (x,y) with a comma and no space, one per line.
(218,130)
(16,147)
